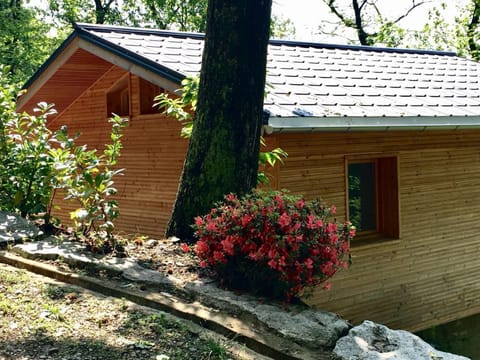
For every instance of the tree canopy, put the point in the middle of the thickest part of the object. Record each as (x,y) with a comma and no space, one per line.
(24,38)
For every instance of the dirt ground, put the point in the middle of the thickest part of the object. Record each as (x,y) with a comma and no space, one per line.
(44,319)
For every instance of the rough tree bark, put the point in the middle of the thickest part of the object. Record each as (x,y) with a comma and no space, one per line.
(222,156)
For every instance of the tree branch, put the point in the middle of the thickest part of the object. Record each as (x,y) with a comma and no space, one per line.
(363,4)
(471,27)
(362,35)
(331,5)
(413,7)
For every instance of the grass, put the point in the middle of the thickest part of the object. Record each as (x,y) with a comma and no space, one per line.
(40,318)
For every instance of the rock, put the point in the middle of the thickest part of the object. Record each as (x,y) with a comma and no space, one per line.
(15,228)
(314,329)
(151,243)
(174,239)
(51,248)
(371,341)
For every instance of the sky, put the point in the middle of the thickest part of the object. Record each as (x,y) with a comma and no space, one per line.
(307,14)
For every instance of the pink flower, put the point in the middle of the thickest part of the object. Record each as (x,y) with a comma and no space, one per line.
(284,220)
(327,269)
(230,197)
(310,222)
(308,263)
(333,209)
(296,227)
(272,253)
(331,228)
(211,226)
(202,247)
(198,221)
(327,286)
(219,257)
(246,220)
(300,204)
(203,264)
(228,246)
(185,248)
(273,264)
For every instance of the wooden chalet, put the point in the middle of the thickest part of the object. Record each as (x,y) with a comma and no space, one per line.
(390,136)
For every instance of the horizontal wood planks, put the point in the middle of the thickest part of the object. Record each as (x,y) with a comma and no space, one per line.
(152,156)
(429,275)
(71,79)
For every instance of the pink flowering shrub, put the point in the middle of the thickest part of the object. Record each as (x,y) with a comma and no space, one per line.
(272,243)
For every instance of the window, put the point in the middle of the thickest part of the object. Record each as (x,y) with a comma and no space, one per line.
(372,197)
(148,91)
(118,98)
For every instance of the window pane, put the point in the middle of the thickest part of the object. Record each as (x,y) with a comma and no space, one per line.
(362,203)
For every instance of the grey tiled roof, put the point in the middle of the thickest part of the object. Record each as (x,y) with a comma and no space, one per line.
(323,80)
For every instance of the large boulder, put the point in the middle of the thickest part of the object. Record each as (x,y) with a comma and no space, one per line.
(371,341)
(318,330)
(15,228)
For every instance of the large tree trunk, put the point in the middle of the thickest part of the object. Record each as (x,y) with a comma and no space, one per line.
(223,152)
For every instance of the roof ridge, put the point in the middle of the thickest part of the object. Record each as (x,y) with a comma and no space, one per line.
(319,45)
(137,30)
(361,47)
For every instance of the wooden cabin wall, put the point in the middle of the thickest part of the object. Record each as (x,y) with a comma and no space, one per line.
(429,275)
(152,156)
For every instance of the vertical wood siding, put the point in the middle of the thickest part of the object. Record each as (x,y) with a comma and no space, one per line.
(152,155)
(428,276)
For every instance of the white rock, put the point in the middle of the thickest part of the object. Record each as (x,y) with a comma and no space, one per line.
(174,239)
(371,341)
(13,228)
(151,243)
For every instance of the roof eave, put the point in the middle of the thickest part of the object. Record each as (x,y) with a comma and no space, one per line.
(74,41)
(359,124)
(139,60)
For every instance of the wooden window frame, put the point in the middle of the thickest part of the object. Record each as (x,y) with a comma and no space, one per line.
(387,195)
(147,91)
(119,92)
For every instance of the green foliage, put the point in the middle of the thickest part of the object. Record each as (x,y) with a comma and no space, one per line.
(436,33)
(463,35)
(25,166)
(32,169)
(189,15)
(268,159)
(183,107)
(88,179)
(24,38)
(100,12)
(281,28)
(272,243)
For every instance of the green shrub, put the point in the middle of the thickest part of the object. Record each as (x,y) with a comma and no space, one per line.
(32,169)
(25,164)
(88,179)
(272,243)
